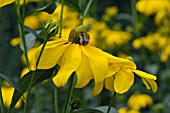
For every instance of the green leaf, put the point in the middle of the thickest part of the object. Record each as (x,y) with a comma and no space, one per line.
(12,83)
(73,4)
(24,82)
(49,8)
(104,109)
(101,109)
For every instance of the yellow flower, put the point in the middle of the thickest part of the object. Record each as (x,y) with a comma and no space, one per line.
(15,41)
(138,101)
(6,2)
(149,7)
(121,76)
(126,110)
(74,55)
(7,93)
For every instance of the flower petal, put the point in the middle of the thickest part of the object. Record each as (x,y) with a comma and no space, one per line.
(112,70)
(5,2)
(124,79)
(50,56)
(149,83)
(145,75)
(109,83)
(97,88)
(119,62)
(98,62)
(70,62)
(84,72)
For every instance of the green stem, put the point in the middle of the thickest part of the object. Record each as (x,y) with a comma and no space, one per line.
(1,100)
(69,93)
(56,100)
(134,15)
(37,99)
(85,12)
(61,18)
(21,29)
(111,102)
(32,76)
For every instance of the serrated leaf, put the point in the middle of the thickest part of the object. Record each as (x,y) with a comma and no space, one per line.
(12,83)
(73,4)
(49,8)
(24,82)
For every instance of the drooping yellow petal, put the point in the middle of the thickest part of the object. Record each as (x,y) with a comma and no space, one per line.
(145,75)
(149,83)
(98,62)
(119,62)
(84,72)
(5,2)
(112,70)
(50,56)
(109,83)
(124,79)
(97,88)
(146,83)
(70,62)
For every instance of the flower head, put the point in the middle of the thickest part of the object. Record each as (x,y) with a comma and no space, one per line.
(74,55)
(121,76)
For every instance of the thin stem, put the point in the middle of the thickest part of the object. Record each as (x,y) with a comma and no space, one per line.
(69,93)
(111,102)
(37,99)
(32,76)
(21,29)
(134,14)
(1,100)
(56,100)
(85,12)
(61,18)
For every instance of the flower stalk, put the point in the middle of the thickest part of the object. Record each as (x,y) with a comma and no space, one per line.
(69,93)
(61,18)
(82,16)
(111,102)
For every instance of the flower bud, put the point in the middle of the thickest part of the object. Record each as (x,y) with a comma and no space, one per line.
(129,58)
(76,103)
(51,28)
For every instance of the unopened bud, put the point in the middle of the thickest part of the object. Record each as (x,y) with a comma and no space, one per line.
(51,28)
(76,103)
(129,58)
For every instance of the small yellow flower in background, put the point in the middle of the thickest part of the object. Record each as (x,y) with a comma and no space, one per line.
(126,110)
(135,103)
(74,55)
(138,101)
(149,7)
(7,93)
(15,41)
(6,2)
(121,76)
(109,13)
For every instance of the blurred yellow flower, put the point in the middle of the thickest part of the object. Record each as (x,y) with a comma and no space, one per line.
(109,13)
(126,110)
(121,75)
(74,55)
(7,93)
(15,41)
(6,2)
(149,7)
(138,101)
